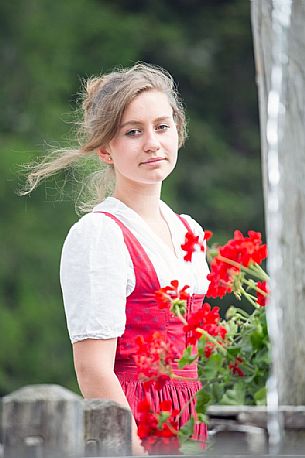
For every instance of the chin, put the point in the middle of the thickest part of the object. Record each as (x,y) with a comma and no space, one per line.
(157,178)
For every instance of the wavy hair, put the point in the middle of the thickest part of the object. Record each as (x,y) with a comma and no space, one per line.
(103,101)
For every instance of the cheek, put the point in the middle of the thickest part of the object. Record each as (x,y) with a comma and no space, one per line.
(116,144)
(174,142)
(175,136)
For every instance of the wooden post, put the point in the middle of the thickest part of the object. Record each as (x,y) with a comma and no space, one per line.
(107,428)
(42,421)
(290,278)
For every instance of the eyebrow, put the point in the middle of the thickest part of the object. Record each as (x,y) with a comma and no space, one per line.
(135,122)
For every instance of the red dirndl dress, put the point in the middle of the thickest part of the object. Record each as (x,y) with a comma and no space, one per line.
(143,316)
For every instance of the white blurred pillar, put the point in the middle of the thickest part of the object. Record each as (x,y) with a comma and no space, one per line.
(284,183)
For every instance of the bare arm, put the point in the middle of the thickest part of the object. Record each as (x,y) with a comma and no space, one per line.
(94,366)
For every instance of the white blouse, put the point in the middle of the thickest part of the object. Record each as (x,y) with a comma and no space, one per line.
(97,273)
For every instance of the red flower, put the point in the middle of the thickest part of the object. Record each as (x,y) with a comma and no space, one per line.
(157,431)
(148,422)
(206,319)
(261,298)
(241,250)
(236,370)
(208,349)
(154,358)
(246,250)
(167,295)
(221,278)
(190,245)
(207,235)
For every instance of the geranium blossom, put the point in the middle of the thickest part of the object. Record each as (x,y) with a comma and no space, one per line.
(154,357)
(171,297)
(221,278)
(158,432)
(206,318)
(208,349)
(242,251)
(236,370)
(261,298)
(192,243)
(245,250)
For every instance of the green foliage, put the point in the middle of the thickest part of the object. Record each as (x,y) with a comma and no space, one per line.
(186,430)
(249,347)
(234,396)
(187,357)
(202,400)
(187,445)
(46,49)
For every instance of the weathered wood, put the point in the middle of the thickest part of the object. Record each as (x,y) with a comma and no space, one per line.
(290,279)
(294,416)
(42,421)
(234,434)
(107,428)
(248,424)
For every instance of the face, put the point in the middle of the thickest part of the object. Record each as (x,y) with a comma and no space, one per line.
(144,150)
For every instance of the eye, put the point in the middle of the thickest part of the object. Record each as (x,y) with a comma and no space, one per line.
(162,127)
(133,132)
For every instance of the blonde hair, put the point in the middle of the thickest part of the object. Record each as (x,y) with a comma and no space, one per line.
(104,100)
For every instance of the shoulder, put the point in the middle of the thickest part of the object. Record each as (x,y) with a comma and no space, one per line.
(95,278)
(94,228)
(95,238)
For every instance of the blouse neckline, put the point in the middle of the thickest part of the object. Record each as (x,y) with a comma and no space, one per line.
(118,207)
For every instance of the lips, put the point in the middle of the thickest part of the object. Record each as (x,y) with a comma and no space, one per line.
(153,160)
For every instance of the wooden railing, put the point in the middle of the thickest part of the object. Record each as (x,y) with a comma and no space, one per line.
(49,421)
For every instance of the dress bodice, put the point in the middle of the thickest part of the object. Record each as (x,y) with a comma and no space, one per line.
(143,315)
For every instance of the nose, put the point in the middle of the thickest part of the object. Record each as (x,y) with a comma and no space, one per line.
(151,141)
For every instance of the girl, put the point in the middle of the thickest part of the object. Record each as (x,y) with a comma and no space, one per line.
(129,245)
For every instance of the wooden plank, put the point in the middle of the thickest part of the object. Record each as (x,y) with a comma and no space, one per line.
(42,421)
(107,428)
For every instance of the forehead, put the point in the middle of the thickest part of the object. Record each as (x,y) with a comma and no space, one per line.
(148,104)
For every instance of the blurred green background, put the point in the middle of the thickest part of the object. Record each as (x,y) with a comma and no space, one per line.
(47,47)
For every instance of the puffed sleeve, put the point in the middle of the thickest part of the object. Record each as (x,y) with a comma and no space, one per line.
(95,278)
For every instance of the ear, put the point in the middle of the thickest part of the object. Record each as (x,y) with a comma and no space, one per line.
(104,155)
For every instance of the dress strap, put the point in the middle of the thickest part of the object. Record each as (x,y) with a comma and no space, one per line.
(143,267)
(185,223)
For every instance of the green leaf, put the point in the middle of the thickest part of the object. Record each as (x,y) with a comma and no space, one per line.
(212,366)
(246,345)
(202,418)
(162,418)
(235,396)
(217,390)
(187,357)
(186,431)
(201,345)
(203,399)
(262,357)
(257,339)
(233,351)
(260,396)
(191,447)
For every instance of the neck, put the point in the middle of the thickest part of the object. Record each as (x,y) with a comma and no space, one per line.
(143,200)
